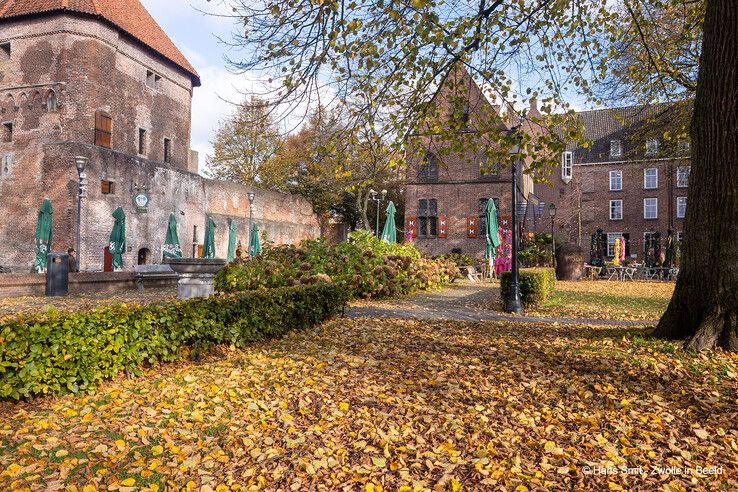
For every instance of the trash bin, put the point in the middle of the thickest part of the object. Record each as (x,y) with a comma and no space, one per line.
(57,274)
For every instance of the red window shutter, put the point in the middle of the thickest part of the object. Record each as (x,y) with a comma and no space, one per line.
(442,227)
(412,225)
(472,226)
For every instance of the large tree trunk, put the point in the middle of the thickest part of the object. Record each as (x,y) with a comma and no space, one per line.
(704,308)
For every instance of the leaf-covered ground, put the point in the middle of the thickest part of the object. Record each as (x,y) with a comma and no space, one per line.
(396,405)
(30,305)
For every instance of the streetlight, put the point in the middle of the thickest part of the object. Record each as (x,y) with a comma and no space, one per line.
(81,163)
(513,303)
(375,195)
(552,214)
(251,196)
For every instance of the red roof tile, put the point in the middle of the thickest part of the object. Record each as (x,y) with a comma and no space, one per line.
(128,15)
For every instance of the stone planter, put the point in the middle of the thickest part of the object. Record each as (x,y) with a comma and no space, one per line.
(569,262)
(195,276)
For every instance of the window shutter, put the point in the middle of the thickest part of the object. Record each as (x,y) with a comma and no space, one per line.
(412,225)
(442,224)
(103,129)
(472,226)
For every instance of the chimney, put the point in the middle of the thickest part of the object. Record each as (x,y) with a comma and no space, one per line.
(533,109)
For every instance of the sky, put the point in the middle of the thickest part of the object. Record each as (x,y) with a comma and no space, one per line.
(196,35)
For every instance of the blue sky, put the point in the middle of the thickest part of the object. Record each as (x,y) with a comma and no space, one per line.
(196,35)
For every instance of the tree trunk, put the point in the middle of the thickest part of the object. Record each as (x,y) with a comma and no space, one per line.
(704,308)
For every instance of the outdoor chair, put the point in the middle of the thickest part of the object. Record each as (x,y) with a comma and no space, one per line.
(612,273)
(629,273)
(673,273)
(473,275)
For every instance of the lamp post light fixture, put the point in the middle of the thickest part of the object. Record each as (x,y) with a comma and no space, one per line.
(81,164)
(378,198)
(514,305)
(251,196)
(552,214)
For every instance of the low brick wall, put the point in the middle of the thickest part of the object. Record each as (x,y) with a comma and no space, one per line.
(33,284)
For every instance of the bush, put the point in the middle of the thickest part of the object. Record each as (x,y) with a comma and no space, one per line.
(458,259)
(363,267)
(60,352)
(536,285)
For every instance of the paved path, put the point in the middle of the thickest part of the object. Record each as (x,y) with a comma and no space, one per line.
(462,301)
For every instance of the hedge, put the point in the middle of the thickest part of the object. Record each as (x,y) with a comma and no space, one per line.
(536,285)
(61,352)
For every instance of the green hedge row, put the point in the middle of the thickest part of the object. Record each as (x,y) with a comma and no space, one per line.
(62,352)
(536,285)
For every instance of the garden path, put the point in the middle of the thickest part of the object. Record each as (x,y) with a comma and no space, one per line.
(462,301)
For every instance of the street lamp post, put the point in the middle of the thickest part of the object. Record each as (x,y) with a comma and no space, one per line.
(81,163)
(514,305)
(552,214)
(378,198)
(251,196)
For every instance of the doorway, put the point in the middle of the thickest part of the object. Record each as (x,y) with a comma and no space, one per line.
(144,256)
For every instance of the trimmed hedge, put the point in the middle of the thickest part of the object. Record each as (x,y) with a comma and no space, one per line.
(536,285)
(61,352)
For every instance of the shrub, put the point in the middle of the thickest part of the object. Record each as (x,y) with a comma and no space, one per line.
(458,259)
(536,285)
(61,352)
(363,267)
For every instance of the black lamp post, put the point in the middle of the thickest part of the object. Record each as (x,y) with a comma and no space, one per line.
(251,196)
(81,163)
(378,198)
(513,303)
(552,214)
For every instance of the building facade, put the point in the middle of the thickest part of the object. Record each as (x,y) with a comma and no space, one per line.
(447,191)
(103,81)
(627,181)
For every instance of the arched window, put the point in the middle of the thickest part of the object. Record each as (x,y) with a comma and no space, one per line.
(428,169)
(51,103)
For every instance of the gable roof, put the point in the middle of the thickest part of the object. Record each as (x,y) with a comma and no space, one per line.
(127,15)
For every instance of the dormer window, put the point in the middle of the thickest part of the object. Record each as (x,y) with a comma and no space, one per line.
(652,146)
(616,148)
(567,166)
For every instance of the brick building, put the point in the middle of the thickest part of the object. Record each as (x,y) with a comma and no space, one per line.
(625,181)
(628,181)
(100,79)
(447,191)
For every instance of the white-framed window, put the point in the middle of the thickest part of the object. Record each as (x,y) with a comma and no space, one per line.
(616,210)
(650,208)
(611,238)
(683,176)
(650,178)
(616,180)
(681,207)
(616,148)
(680,236)
(567,166)
(683,146)
(652,146)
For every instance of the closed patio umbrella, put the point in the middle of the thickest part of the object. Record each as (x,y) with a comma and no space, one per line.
(117,243)
(491,232)
(389,233)
(231,240)
(43,236)
(171,248)
(254,244)
(208,246)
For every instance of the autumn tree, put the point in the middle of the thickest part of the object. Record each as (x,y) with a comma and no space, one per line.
(243,143)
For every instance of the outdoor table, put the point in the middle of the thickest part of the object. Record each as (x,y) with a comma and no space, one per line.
(592,272)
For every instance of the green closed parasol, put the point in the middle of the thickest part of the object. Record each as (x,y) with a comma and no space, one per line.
(231,240)
(254,244)
(43,236)
(117,244)
(171,248)
(389,233)
(491,232)
(208,245)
